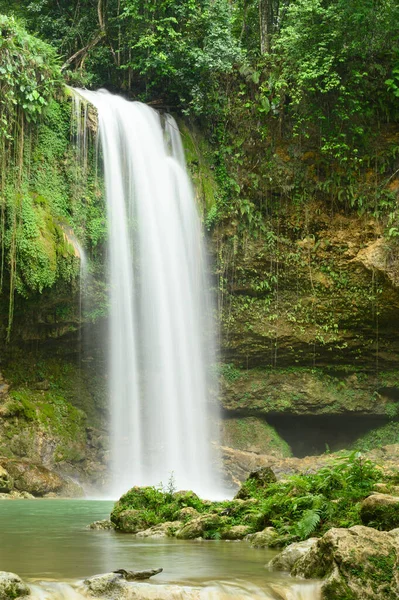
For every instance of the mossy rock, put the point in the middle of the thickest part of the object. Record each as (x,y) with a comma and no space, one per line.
(380,511)
(12,586)
(257,480)
(204,526)
(359,563)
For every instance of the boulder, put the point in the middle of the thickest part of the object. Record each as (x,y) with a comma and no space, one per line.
(160,531)
(132,521)
(12,586)
(198,527)
(263,539)
(115,587)
(359,563)
(110,585)
(236,532)
(380,510)
(285,561)
(260,478)
(32,478)
(6,481)
(103,525)
(187,513)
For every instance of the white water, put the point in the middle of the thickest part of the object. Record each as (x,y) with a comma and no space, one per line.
(148,591)
(160,342)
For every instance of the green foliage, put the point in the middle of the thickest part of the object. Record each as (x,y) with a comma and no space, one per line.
(298,507)
(331,77)
(29,74)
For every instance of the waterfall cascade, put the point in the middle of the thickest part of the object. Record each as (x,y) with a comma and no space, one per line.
(160,342)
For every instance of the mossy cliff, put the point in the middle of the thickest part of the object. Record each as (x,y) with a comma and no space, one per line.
(52,390)
(306,269)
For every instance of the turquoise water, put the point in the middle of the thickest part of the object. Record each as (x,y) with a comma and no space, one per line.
(48,539)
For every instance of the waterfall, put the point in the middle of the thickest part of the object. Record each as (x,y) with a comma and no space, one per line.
(160,338)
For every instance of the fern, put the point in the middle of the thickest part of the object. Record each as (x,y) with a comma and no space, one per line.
(307,524)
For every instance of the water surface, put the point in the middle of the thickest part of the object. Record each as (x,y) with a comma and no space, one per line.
(48,540)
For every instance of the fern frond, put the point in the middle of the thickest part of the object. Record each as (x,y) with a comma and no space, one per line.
(307,524)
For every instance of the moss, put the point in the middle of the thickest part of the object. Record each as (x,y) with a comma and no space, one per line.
(199,161)
(253,434)
(381,436)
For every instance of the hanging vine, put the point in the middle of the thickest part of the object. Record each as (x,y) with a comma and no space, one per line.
(29,77)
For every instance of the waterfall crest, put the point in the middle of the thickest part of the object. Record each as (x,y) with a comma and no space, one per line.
(160,342)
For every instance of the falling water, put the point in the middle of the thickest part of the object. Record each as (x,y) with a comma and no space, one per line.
(160,334)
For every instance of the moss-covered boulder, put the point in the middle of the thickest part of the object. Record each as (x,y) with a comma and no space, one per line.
(264,538)
(258,479)
(381,511)
(236,532)
(359,563)
(162,530)
(6,481)
(12,586)
(204,526)
(286,560)
(35,479)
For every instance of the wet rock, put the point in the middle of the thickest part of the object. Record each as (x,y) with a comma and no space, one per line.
(359,563)
(35,479)
(285,561)
(6,481)
(381,510)
(187,513)
(263,539)
(237,532)
(259,478)
(72,489)
(113,586)
(103,525)
(200,526)
(15,495)
(160,531)
(131,521)
(12,586)
(110,585)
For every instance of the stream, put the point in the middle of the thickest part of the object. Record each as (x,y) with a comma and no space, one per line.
(46,542)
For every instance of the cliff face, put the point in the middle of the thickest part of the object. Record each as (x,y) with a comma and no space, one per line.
(309,313)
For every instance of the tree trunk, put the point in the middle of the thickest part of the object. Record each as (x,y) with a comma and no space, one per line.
(266,16)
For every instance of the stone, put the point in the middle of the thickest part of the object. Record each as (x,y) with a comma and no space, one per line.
(236,532)
(6,481)
(285,561)
(198,527)
(103,525)
(105,585)
(12,586)
(72,489)
(115,587)
(131,521)
(32,478)
(263,539)
(380,510)
(261,477)
(162,530)
(359,563)
(186,513)
(384,488)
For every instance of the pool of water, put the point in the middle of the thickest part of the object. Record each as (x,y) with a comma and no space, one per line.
(48,540)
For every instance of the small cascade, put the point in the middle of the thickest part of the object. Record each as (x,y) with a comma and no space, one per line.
(48,590)
(161,340)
